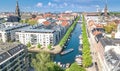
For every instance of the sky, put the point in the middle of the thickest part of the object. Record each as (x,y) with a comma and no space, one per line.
(58,5)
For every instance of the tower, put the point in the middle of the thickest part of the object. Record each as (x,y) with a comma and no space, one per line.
(17,11)
(105,11)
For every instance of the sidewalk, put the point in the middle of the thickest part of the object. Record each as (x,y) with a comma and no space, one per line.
(93,51)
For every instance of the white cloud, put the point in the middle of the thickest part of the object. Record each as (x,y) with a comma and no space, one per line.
(65,4)
(39,4)
(97,6)
(49,3)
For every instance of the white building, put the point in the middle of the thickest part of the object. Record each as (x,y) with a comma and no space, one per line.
(40,34)
(41,20)
(11,24)
(8,33)
(117,35)
(109,54)
(43,37)
(92,16)
(112,58)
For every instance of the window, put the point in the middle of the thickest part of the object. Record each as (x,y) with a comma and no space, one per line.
(1,57)
(0,35)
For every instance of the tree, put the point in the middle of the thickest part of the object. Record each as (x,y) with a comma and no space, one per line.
(21,21)
(54,67)
(28,44)
(108,29)
(43,62)
(75,67)
(49,46)
(111,26)
(39,46)
(32,22)
(40,61)
(87,59)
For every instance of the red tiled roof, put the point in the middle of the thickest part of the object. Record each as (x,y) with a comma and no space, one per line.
(64,23)
(62,19)
(47,15)
(99,25)
(96,33)
(91,22)
(46,22)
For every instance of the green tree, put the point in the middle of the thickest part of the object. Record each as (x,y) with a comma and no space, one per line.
(39,46)
(54,67)
(32,22)
(21,21)
(87,59)
(108,29)
(28,44)
(49,46)
(40,62)
(43,62)
(75,67)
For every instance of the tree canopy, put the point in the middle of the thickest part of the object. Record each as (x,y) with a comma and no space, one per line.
(28,44)
(43,62)
(87,59)
(75,67)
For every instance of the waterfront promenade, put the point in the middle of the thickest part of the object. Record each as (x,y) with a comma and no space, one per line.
(55,50)
(93,49)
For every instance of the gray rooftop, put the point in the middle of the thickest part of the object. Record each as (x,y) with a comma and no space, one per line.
(14,27)
(9,49)
(113,59)
(109,41)
(6,46)
(40,28)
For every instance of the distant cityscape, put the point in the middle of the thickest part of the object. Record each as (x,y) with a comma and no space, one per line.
(86,41)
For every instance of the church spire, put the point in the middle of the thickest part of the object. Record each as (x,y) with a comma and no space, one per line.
(17,11)
(106,9)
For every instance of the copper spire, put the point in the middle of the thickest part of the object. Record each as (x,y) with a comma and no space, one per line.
(17,11)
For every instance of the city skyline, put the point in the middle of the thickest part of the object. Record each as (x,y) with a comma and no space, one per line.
(57,5)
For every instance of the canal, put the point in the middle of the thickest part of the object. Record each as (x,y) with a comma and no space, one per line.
(72,43)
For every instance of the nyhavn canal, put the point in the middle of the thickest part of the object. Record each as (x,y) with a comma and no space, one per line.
(73,42)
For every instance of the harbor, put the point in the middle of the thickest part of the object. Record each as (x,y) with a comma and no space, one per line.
(72,48)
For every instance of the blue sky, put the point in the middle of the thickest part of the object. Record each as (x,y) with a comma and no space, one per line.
(58,5)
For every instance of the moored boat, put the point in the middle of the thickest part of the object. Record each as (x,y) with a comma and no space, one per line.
(78,59)
(80,47)
(67,51)
(67,65)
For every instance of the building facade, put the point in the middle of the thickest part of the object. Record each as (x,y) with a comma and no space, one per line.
(37,34)
(8,33)
(13,57)
(108,54)
(117,34)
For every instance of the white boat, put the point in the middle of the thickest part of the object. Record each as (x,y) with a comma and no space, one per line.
(67,65)
(80,47)
(78,59)
(67,51)
(80,37)
(80,42)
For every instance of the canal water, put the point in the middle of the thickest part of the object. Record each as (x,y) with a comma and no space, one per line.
(72,43)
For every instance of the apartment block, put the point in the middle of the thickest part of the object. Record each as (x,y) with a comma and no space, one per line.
(13,57)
